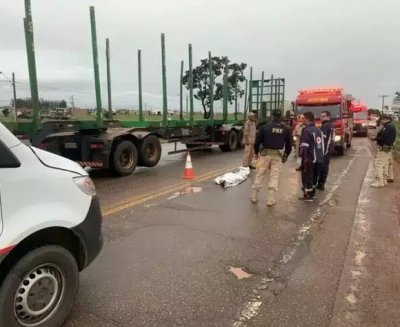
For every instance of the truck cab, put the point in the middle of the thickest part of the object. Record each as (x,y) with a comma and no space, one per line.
(338,103)
(360,120)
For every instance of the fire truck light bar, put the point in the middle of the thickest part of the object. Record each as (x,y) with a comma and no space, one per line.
(335,90)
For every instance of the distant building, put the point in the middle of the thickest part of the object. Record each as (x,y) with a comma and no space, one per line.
(396,106)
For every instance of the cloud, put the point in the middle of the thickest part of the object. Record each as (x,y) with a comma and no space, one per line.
(309,42)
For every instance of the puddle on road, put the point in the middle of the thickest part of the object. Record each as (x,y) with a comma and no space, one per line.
(240,273)
(186,191)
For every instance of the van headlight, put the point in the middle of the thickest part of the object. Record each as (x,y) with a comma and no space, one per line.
(337,138)
(85,184)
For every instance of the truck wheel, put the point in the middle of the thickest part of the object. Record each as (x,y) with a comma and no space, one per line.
(150,151)
(40,288)
(124,158)
(232,142)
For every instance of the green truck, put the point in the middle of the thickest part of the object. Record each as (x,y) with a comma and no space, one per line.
(122,145)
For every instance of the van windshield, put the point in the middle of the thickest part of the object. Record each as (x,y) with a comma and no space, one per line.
(317,110)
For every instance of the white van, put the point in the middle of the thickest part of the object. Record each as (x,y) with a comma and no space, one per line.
(50,229)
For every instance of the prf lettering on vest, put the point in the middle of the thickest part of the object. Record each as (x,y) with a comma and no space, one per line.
(277,130)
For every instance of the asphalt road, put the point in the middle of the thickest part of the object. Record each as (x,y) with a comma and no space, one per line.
(167,257)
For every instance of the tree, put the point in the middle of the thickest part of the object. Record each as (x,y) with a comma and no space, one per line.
(6,112)
(44,104)
(397,96)
(201,81)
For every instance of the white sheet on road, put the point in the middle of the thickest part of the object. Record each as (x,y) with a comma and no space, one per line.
(233,178)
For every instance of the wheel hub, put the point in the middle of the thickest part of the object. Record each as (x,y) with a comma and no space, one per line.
(39,295)
(150,151)
(126,158)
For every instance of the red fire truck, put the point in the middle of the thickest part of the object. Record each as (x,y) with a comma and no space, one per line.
(338,103)
(360,119)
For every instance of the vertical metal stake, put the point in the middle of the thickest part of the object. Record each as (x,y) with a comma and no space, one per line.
(262,111)
(30,50)
(191,83)
(225,99)
(236,102)
(181,92)
(250,92)
(164,82)
(211,95)
(110,111)
(99,109)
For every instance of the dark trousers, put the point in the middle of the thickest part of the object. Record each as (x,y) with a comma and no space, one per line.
(317,173)
(307,176)
(323,176)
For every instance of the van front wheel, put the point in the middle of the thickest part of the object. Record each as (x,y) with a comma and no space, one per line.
(40,288)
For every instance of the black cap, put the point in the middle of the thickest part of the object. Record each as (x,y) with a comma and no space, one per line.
(276,113)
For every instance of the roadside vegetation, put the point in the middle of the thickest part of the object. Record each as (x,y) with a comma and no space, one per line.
(397,145)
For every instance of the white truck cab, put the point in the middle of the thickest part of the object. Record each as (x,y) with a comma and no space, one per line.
(50,229)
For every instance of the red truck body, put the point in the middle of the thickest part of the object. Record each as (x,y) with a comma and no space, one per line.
(360,120)
(338,103)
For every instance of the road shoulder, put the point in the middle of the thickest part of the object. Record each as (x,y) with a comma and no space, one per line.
(368,293)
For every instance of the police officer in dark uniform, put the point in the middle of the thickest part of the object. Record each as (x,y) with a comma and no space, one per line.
(385,139)
(273,136)
(327,131)
(312,154)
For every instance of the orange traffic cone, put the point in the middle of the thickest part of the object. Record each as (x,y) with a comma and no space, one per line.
(188,173)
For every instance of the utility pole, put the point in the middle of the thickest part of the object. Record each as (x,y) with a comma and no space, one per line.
(187,107)
(383,100)
(72,101)
(15,95)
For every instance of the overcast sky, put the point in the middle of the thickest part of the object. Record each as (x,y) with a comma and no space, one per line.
(354,43)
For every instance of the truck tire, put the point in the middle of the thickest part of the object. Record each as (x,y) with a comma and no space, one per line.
(232,144)
(124,158)
(150,151)
(40,288)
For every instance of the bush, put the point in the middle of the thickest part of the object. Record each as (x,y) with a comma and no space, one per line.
(397,145)
(6,112)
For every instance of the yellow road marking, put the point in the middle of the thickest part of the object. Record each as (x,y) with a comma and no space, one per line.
(134,201)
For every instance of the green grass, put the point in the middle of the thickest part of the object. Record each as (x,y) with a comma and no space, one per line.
(8,119)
